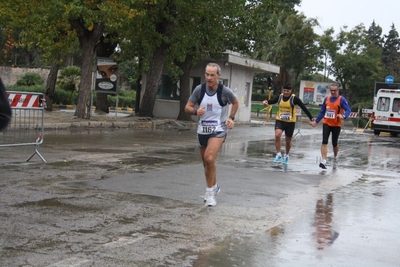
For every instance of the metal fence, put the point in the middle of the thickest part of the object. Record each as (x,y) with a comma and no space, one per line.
(27,123)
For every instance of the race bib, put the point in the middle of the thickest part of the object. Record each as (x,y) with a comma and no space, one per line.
(330,114)
(285,116)
(208,127)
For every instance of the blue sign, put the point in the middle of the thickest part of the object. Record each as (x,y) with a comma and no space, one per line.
(389,79)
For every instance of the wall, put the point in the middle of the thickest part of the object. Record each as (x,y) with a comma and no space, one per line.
(241,83)
(11,75)
(166,108)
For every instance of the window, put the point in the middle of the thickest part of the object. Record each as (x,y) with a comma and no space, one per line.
(247,95)
(167,89)
(383,104)
(396,105)
(224,82)
(171,91)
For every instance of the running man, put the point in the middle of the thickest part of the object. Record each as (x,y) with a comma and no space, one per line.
(286,120)
(212,99)
(334,110)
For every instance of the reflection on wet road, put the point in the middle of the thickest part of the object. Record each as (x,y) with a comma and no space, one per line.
(360,218)
(350,220)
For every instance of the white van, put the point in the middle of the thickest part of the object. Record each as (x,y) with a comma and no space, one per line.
(386,112)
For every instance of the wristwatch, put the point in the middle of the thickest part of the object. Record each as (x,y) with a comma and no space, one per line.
(232,117)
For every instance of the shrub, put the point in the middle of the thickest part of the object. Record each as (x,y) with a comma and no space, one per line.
(63,97)
(30,79)
(69,78)
(125,99)
(26,88)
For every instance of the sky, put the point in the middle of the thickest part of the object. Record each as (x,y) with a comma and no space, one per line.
(337,13)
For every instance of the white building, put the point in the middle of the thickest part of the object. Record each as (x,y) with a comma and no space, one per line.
(237,74)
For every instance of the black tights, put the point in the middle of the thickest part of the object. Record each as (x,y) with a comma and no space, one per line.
(327,130)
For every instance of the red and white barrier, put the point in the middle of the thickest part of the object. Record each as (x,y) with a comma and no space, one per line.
(23,100)
(353,115)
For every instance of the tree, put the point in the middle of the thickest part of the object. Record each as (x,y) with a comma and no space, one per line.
(39,27)
(293,47)
(355,62)
(173,35)
(391,53)
(375,35)
(56,27)
(193,40)
(69,78)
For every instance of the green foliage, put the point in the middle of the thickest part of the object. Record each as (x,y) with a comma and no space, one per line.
(391,54)
(355,63)
(63,97)
(126,99)
(265,30)
(128,70)
(362,105)
(259,97)
(26,88)
(69,78)
(30,79)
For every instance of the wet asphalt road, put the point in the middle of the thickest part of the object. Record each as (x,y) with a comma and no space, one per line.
(129,197)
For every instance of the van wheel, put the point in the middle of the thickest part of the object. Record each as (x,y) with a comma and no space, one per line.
(376,132)
(392,134)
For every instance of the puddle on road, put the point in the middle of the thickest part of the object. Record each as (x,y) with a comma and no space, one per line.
(357,225)
(356,152)
(57,204)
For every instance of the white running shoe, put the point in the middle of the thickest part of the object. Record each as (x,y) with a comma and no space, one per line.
(216,190)
(210,199)
(335,163)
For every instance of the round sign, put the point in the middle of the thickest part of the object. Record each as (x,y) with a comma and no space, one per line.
(389,79)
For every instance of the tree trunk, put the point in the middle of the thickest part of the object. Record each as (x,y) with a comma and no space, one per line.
(153,78)
(102,102)
(138,87)
(85,87)
(87,40)
(138,94)
(185,89)
(51,86)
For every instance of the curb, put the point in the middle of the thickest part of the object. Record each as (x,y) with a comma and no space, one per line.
(71,107)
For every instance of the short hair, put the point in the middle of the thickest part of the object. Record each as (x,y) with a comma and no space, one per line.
(214,65)
(287,86)
(336,85)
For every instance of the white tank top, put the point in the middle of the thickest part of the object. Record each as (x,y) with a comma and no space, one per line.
(210,122)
